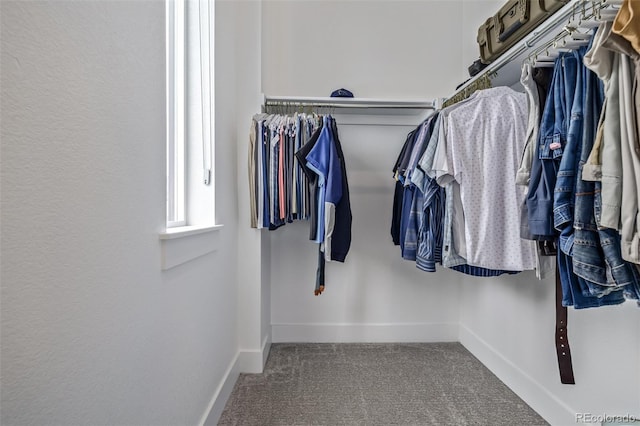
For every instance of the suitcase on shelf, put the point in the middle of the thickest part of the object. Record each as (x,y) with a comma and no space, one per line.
(514,20)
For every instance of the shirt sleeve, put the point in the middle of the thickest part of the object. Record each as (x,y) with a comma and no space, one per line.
(333,195)
(441,167)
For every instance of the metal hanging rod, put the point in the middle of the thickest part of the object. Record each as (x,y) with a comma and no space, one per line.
(347,103)
(576,12)
(578,28)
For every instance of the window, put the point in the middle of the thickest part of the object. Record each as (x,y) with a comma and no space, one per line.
(190,112)
(190,212)
(175,113)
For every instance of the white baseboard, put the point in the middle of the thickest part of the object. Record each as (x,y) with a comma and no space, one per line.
(252,361)
(221,395)
(365,333)
(244,362)
(266,348)
(526,387)
(552,409)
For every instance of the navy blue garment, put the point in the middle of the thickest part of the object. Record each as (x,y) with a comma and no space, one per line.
(341,241)
(397,233)
(342,93)
(396,215)
(476,271)
(301,155)
(544,167)
(265,171)
(405,158)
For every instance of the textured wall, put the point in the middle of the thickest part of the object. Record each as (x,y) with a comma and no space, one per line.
(373,48)
(92,331)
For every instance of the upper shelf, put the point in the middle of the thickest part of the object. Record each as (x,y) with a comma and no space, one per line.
(366,106)
(506,70)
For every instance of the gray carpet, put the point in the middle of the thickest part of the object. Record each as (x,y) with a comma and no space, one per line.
(374,384)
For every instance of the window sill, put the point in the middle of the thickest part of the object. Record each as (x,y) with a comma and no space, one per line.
(185,243)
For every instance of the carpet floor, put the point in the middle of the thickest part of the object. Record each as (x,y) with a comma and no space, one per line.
(374,384)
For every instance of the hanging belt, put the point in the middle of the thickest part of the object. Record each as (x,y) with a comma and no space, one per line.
(562,341)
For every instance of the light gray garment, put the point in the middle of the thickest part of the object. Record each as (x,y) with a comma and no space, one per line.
(630,172)
(605,161)
(629,103)
(252,175)
(453,242)
(533,100)
(524,170)
(454,247)
(629,109)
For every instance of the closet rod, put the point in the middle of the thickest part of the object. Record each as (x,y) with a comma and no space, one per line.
(572,10)
(319,102)
(598,14)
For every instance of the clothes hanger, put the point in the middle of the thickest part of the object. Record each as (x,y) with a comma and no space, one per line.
(573,43)
(607,15)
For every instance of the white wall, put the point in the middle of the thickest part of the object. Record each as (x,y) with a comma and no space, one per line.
(373,48)
(398,49)
(422,50)
(253,258)
(509,324)
(374,295)
(93,332)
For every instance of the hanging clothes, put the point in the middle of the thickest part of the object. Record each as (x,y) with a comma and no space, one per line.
(429,213)
(297,171)
(481,148)
(584,121)
(564,172)
(627,23)
(536,82)
(341,237)
(627,27)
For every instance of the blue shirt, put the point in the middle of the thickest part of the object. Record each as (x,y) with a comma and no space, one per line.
(323,160)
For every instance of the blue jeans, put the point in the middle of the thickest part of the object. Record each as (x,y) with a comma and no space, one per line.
(560,149)
(574,288)
(596,252)
(564,193)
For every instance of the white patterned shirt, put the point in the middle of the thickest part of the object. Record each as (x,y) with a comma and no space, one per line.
(484,140)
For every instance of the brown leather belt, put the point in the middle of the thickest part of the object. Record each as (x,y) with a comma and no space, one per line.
(562,341)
